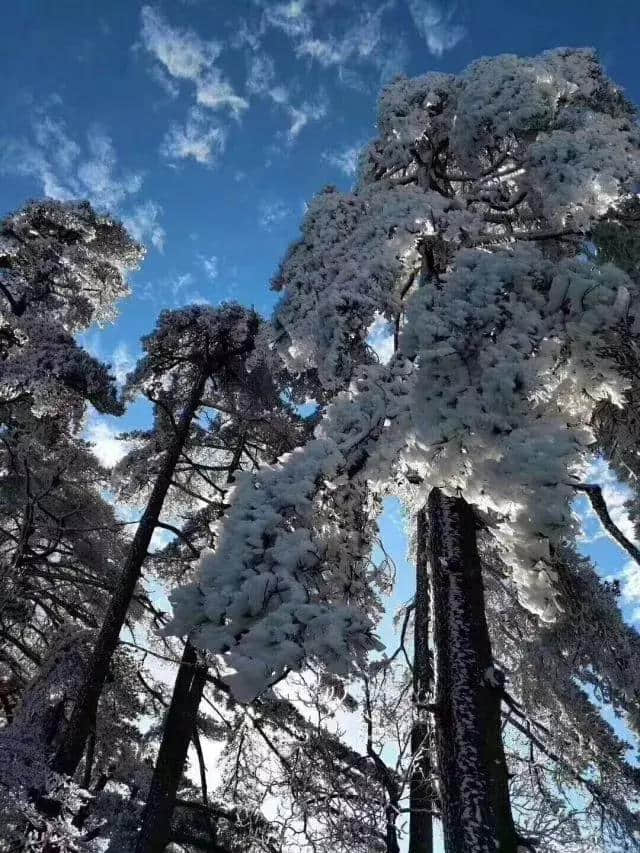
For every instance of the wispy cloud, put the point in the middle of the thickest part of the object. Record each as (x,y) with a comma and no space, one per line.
(66,169)
(630,585)
(122,362)
(360,41)
(198,138)
(210,266)
(301,116)
(261,79)
(345,159)
(160,75)
(121,359)
(142,223)
(361,38)
(292,17)
(183,53)
(437,23)
(185,291)
(272,213)
(186,56)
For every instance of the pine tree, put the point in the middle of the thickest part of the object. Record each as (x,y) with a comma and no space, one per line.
(194,359)
(465,233)
(251,425)
(62,268)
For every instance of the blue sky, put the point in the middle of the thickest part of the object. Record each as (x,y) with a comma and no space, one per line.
(207,124)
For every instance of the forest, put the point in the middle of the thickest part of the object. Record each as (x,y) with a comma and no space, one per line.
(190,652)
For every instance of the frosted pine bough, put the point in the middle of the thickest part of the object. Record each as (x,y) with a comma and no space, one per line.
(467,231)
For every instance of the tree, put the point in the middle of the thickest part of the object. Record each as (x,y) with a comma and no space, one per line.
(465,233)
(62,267)
(251,425)
(195,358)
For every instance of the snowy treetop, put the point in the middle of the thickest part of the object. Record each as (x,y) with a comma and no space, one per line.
(466,232)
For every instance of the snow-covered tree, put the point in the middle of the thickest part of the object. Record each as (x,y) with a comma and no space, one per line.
(62,268)
(244,423)
(467,233)
(194,361)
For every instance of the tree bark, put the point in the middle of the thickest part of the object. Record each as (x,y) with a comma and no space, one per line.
(420,794)
(155,831)
(474,792)
(83,715)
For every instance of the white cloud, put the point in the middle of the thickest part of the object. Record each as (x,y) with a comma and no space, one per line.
(210,266)
(362,40)
(436,23)
(261,75)
(180,283)
(271,213)
(630,586)
(160,75)
(261,79)
(142,223)
(279,94)
(97,172)
(214,91)
(106,446)
(183,290)
(183,53)
(292,17)
(346,159)
(245,36)
(67,170)
(302,115)
(186,56)
(199,138)
(122,362)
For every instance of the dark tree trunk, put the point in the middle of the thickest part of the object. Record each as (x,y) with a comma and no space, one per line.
(155,832)
(84,712)
(420,796)
(474,794)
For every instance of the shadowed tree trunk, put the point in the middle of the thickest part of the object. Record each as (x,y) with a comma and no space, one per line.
(474,793)
(178,729)
(420,796)
(84,711)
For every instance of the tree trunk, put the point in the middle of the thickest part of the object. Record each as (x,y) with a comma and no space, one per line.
(84,712)
(420,796)
(178,728)
(474,793)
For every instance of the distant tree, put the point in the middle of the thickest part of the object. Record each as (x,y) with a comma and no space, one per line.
(466,234)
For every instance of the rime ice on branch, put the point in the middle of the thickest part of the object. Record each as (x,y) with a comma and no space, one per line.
(466,231)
